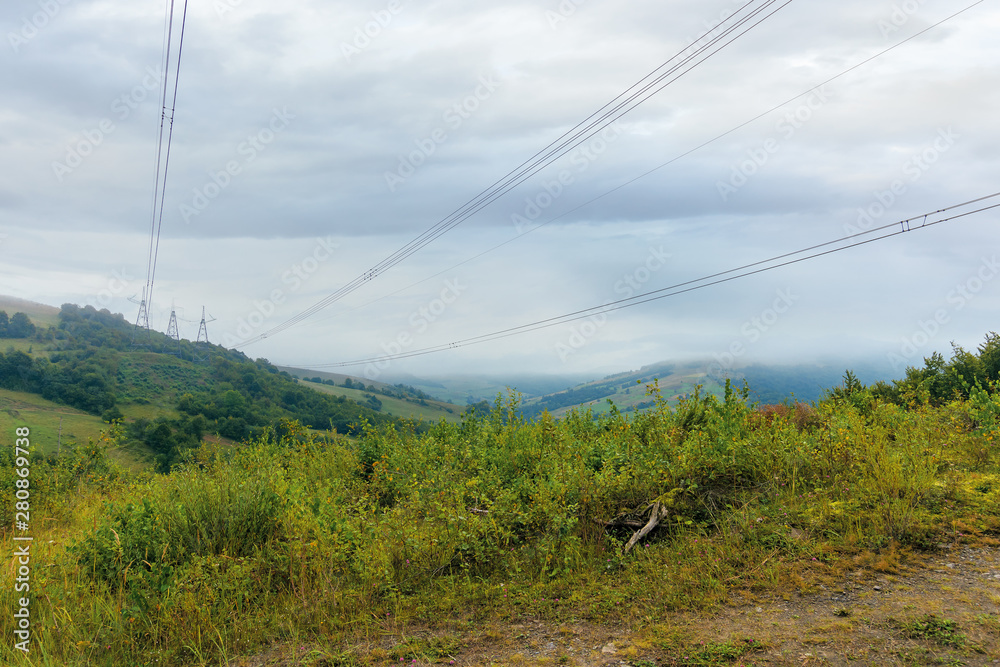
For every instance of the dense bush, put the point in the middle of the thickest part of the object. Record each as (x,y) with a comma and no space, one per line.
(234,542)
(294,536)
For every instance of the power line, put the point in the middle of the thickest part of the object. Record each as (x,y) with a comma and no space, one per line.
(674,159)
(910,224)
(142,322)
(686,60)
(170,136)
(162,156)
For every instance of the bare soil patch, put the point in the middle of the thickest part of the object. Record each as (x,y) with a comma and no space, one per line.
(938,609)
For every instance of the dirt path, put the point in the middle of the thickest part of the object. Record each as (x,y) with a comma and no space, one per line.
(869,620)
(943,610)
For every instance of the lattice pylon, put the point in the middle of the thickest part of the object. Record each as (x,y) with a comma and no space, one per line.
(142,320)
(202,328)
(172,330)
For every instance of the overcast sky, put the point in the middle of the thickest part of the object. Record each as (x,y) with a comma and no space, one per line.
(312,139)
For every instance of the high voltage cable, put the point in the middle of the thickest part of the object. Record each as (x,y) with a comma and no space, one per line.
(632,97)
(170,136)
(164,63)
(670,161)
(593,124)
(761,266)
(163,154)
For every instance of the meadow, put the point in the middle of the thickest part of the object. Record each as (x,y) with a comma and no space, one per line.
(430,410)
(53,423)
(309,542)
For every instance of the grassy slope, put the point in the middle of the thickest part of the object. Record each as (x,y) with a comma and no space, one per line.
(439,391)
(768,384)
(160,379)
(627,390)
(336,377)
(43,417)
(154,382)
(464,388)
(39,313)
(432,412)
(472,533)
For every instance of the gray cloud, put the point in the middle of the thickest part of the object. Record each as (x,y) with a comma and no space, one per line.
(356,108)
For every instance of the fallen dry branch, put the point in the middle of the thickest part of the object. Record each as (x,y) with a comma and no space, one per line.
(654,520)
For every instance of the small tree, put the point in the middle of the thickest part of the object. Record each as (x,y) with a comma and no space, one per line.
(20,326)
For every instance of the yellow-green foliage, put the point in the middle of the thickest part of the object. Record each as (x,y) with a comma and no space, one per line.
(296,537)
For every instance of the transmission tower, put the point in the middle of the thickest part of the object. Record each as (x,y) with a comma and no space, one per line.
(172,330)
(173,333)
(142,321)
(203,327)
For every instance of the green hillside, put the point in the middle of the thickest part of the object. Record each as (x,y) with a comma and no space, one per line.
(40,314)
(396,400)
(47,419)
(402,546)
(628,391)
(468,389)
(769,384)
(90,367)
(428,410)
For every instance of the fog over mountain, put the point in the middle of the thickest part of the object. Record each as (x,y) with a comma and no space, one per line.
(314,139)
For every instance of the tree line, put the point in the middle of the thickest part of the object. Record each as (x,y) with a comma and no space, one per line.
(939,380)
(17,326)
(94,362)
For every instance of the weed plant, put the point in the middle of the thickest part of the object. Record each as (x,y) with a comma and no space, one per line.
(297,539)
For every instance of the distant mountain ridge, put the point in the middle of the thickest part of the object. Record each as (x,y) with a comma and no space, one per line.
(395,400)
(768,384)
(426,399)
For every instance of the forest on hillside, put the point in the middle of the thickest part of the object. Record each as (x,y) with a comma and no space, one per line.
(17,326)
(93,361)
(296,544)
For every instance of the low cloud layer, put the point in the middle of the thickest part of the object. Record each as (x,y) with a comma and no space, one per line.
(312,141)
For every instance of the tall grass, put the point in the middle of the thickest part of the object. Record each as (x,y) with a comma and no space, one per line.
(296,539)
